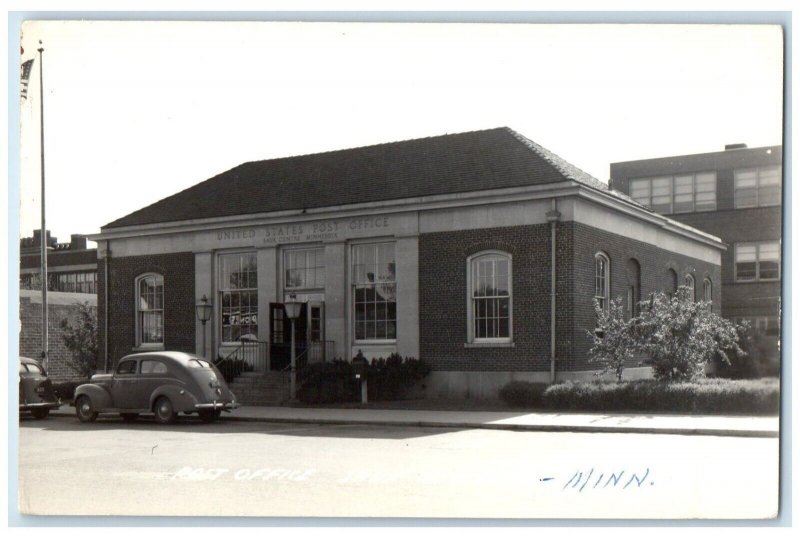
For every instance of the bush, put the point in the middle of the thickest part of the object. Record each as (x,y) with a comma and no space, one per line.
(523,394)
(712,396)
(332,382)
(66,389)
(231,368)
(328,382)
(761,359)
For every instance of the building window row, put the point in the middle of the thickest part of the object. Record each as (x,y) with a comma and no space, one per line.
(677,194)
(757,187)
(71,282)
(757,261)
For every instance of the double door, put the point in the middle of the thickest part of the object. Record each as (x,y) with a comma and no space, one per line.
(309,333)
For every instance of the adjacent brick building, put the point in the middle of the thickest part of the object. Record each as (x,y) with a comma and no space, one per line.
(456,249)
(735,195)
(71,279)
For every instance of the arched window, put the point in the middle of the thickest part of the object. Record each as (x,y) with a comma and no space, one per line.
(602,279)
(688,281)
(634,275)
(489,303)
(150,310)
(672,282)
(707,290)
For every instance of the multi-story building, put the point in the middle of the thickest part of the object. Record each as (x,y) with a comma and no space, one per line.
(735,195)
(71,267)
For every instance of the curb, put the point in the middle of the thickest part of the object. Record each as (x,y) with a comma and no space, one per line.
(717,432)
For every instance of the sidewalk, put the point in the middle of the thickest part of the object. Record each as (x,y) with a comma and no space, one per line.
(732,426)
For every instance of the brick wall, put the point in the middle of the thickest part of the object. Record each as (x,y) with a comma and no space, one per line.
(584,242)
(30,336)
(179,312)
(443,295)
(443,299)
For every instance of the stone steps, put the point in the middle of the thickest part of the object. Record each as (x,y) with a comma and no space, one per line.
(261,388)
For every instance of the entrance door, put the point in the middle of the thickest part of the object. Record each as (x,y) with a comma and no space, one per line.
(316,332)
(280,335)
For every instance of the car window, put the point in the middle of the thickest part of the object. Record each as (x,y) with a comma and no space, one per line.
(196,363)
(126,367)
(35,368)
(153,367)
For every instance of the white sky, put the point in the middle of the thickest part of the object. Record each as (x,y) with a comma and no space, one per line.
(135,112)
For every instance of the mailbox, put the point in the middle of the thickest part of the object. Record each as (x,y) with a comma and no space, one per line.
(360,366)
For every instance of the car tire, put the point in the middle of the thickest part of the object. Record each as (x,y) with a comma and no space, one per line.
(129,417)
(83,408)
(165,413)
(210,415)
(40,414)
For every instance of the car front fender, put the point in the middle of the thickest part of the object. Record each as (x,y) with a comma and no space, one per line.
(101,399)
(183,401)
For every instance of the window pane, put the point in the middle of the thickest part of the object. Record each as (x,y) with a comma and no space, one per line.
(768,270)
(746,271)
(239,296)
(745,253)
(769,251)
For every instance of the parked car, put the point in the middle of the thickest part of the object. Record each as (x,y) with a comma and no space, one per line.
(164,383)
(35,389)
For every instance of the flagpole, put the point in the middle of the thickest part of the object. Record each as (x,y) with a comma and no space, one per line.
(43,237)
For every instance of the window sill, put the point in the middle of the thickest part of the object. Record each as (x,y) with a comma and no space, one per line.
(488,344)
(139,349)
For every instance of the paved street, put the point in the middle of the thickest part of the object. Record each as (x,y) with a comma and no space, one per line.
(258,469)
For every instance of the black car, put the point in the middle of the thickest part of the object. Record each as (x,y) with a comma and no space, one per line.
(35,389)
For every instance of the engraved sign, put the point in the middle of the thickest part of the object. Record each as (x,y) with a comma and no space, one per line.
(306,232)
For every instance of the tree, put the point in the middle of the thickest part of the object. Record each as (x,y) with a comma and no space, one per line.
(680,335)
(80,338)
(613,340)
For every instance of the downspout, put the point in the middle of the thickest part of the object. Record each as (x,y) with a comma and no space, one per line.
(105,302)
(553,216)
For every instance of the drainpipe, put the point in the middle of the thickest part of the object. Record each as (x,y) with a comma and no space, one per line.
(552,217)
(105,302)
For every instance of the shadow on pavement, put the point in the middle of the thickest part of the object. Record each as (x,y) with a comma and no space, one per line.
(193,425)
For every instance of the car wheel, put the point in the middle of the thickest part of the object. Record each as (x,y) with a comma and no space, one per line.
(39,414)
(83,408)
(129,417)
(210,415)
(165,413)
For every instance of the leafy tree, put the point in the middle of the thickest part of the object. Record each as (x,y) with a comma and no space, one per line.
(678,334)
(613,339)
(681,335)
(80,337)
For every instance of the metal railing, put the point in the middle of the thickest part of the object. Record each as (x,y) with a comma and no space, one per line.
(319,351)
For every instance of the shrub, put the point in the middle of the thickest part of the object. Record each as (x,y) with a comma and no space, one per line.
(231,368)
(387,379)
(760,359)
(712,396)
(523,394)
(80,338)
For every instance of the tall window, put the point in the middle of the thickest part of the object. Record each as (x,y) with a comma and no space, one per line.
(602,279)
(238,286)
(677,194)
(672,282)
(754,187)
(707,291)
(374,291)
(758,261)
(150,310)
(634,271)
(304,269)
(489,297)
(688,281)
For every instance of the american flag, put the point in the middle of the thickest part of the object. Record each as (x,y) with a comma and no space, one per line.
(26,75)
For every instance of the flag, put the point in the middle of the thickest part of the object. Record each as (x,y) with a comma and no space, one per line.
(26,75)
